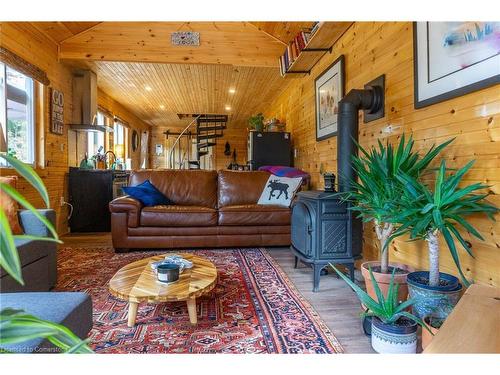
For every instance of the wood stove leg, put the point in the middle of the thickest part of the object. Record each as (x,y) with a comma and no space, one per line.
(296,264)
(351,271)
(317,273)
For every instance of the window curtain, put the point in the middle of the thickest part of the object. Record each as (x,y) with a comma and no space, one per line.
(23,66)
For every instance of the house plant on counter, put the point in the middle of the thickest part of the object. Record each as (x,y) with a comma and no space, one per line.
(394,329)
(17,326)
(376,196)
(257,122)
(427,215)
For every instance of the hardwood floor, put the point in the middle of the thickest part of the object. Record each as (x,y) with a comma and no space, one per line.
(336,303)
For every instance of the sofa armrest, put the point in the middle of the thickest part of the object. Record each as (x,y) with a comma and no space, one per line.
(33,226)
(126,204)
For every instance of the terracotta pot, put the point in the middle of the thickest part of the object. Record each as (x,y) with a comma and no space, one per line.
(384,279)
(426,335)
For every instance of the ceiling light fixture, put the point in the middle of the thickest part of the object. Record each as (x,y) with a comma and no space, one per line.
(148,88)
(162,106)
(228,107)
(232,91)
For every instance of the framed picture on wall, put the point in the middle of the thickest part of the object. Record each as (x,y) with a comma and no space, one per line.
(329,89)
(454,58)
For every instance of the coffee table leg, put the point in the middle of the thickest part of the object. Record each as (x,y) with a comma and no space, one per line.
(191,304)
(132,313)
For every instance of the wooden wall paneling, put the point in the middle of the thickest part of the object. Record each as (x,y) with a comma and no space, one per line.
(29,43)
(374,48)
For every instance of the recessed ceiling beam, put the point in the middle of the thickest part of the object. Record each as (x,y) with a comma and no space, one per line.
(231,43)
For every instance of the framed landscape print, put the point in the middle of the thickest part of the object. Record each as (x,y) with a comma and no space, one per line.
(329,89)
(454,58)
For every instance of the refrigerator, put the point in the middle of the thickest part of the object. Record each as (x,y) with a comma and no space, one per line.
(269,148)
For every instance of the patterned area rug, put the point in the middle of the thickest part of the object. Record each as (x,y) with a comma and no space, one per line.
(253,309)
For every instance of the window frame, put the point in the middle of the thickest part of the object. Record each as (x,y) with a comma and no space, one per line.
(36,104)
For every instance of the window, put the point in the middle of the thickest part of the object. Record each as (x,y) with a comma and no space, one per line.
(95,140)
(17,114)
(120,140)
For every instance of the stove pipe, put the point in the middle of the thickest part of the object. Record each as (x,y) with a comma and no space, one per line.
(370,99)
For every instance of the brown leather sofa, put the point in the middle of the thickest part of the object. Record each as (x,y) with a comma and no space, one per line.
(211,209)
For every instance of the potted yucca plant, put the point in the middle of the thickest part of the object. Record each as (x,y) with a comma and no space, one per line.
(375,197)
(16,326)
(429,215)
(394,329)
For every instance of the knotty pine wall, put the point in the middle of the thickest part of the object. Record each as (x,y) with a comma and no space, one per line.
(33,46)
(375,48)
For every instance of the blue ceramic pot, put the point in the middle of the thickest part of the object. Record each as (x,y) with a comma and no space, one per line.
(439,300)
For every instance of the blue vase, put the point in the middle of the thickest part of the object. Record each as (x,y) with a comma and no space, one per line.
(435,300)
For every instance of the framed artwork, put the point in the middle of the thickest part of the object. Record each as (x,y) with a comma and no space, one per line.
(329,89)
(454,58)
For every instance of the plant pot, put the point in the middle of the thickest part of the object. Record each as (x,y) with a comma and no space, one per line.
(397,338)
(366,322)
(426,335)
(384,279)
(437,301)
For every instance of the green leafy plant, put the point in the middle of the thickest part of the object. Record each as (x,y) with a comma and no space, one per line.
(427,214)
(257,122)
(388,309)
(376,194)
(15,325)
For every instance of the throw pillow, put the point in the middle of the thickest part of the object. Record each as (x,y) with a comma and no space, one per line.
(10,206)
(279,190)
(147,194)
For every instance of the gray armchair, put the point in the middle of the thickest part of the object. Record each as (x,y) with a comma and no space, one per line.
(38,258)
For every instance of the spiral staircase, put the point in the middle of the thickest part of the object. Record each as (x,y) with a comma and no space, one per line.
(193,144)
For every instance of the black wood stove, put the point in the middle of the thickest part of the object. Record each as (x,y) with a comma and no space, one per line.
(324,230)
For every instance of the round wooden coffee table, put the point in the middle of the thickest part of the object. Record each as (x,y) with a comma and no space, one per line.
(137,282)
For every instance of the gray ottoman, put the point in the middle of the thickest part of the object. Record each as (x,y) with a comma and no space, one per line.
(71,309)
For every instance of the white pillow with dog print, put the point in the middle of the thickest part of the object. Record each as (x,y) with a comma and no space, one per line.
(279,190)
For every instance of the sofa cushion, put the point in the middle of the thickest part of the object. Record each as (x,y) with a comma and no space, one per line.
(254,214)
(241,187)
(280,191)
(147,194)
(178,216)
(30,251)
(182,187)
(71,309)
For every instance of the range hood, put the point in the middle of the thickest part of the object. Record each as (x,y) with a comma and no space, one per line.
(85,103)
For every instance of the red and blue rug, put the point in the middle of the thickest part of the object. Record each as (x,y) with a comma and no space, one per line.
(253,309)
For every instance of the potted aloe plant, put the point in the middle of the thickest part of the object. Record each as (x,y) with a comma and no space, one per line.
(376,196)
(429,215)
(394,329)
(16,326)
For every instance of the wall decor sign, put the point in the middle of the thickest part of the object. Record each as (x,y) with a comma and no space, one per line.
(57,112)
(454,58)
(329,89)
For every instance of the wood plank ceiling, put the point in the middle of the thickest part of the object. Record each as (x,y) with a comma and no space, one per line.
(157,92)
(137,65)
(60,31)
